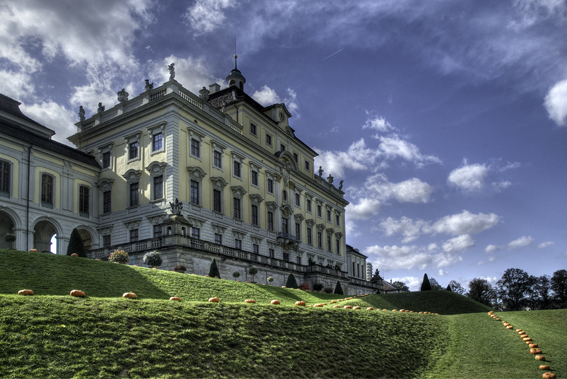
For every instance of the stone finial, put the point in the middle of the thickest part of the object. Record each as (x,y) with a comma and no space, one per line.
(330,179)
(171,69)
(321,171)
(341,185)
(149,86)
(204,94)
(100,108)
(123,96)
(81,113)
(176,207)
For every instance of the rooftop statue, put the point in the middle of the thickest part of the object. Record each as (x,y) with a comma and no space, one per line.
(176,206)
(100,108)
(123,96)
(149,86)
(171,69)
(341,185)
(81,113)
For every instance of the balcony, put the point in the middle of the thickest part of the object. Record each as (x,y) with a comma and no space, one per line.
(142,246)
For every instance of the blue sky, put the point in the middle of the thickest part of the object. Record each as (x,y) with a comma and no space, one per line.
(447,120)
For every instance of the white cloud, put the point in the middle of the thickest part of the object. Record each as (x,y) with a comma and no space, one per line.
(413,283)
(468,177)
(556,103)
(357,157)
(351,229)
(394,147)
(520,242)
(192,72)
(442,272)
(545,244)
(53,116)
(365,209)
(491,249)
(377,123)
(207,15)
(458,244)
(267,96)
(457,224)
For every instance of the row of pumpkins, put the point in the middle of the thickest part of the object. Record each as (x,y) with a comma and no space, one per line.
(534,348)
(132,295)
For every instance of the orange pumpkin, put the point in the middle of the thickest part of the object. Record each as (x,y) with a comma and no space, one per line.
(540,358)
(535,351)
(490,313)
(356,308)
(509,327)
(347,307)
(549,375)
(284,287)
(129,295)
(533,345)
(369,309)
(544,367)
(336,306)
(318,305)
(77,293)
(97,259)
(250,301)
(175,298)
(74,255)
(527,339)
(25,292)
(524,335)
(33,250)
(275,302)
(519,330)
(300,303)
(214,300)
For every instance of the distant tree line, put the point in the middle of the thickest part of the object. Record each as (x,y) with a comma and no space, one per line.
(516,290)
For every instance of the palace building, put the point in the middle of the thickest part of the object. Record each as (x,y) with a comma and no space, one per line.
(196,177)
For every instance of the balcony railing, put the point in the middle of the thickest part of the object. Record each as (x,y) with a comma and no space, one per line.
(221,250)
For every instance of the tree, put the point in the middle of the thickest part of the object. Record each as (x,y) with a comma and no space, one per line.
(448,288)
(542,291)
(76,244)
(513,289)
(456,287)
(401,286)
(559,286)
(435,284)
(338,289)
(291,282)
(481,291)
(253,271)
(153,259)
(235,274)
(214,269)
(425,285)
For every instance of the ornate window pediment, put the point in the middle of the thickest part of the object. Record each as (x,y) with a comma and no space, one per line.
(157,219)
(310,222)
(338,234)
(271,205)
(299,217)
(330,231)
(320,227)
(286,210)
(105,184)
(256,240)
(219,229)
(238,191)
(218,182)
(132,176)
(196,173)
(238,234)
(156,168)
(255,199)
(105,230)
(133,224)
(197,222)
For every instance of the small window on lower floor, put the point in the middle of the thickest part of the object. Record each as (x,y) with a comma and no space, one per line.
(298,260)
(157,231)
(196,233)
(256,248)
(238,244)
(133,235)
(272,253)
(218,239)
(286,257)
(106,241)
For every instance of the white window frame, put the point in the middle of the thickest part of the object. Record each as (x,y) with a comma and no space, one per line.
(218,148)
(194,136)
(154,130)
(157,169)
(106,149)
(240,160)
(256,169)
(129,140)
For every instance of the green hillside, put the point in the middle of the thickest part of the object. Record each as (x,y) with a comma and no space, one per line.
(54,335)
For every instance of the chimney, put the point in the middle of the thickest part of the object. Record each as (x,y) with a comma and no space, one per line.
(214,88)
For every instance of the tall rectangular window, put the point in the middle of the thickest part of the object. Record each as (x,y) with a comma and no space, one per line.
(236,169)
(328,215)
(217,207)
(270,186)
(158,187)
(338,247)
(106,202)
(133,235)
(196,233)
(319,211)
(297,230)
(47,190)
(272,253)
(309,205)
(106,241)
(84,201)
(329,246)
(286,257)
(271,221)
(194,192)
(218,239)
(298,259)
(253,130)
(282,147)
(297,199)
(295,157)
(195,148)
(133,150)
(254,178)
(157,231)
(256,249)
(106,159)
(237,213)
(254,215)
(268,139)
(157,141)
(217,159)
(238,244)
(5,176)
(307,165)
(285,228)
(337,219)
(319,240)
(134,194)
(309,236)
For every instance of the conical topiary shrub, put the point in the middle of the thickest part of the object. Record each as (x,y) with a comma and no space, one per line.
(449,288)
(425,285)
(76,245)
(214,269)
(291,282)
(338,289)
(153,259)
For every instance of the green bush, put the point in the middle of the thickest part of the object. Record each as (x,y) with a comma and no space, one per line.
(76,244)
(425,285)
(119,256)
(291,282)
(317,286)
(328,289)
(270,279)
(253,271)
(236,275)
(214,269)
(153,259)
(339,289)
